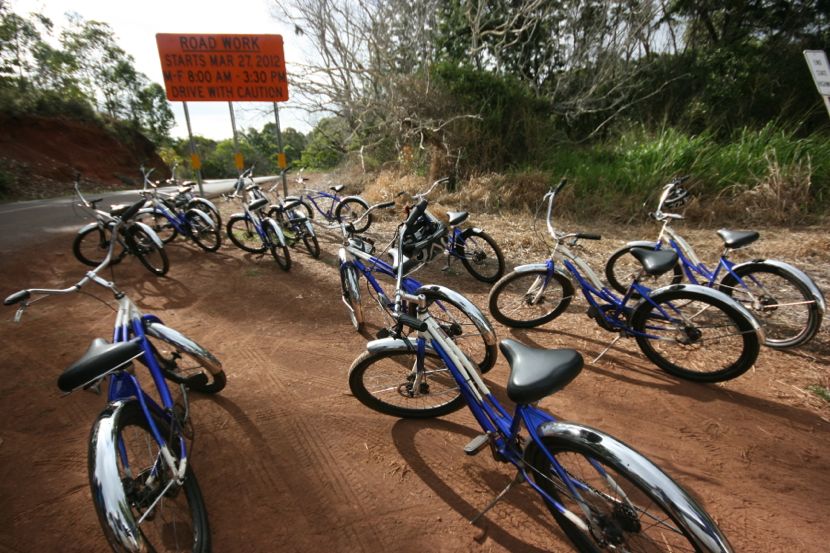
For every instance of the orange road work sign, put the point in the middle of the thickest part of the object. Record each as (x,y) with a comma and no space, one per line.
(216,68)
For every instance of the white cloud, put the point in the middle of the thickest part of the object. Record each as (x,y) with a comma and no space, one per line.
(135,25)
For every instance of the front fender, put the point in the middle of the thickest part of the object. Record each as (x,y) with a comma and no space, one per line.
(89,226)
(534,267)
(797,273)
(108,494)
(196,202)
(184,344)
(385,345)
(648,244)
(277,230)
(709,293)
(483,325)
(150,232)
(207,219)
(699,526)
(472,231)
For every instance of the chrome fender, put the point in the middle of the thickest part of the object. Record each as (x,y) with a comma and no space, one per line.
(207,219)
(385,345)
(88,227)
(802,277)
(151,233)
(704,291)
(700,527)
(184,344)
(107,491)
(641,244)
(349,283)
(483,325)
(277,229)
(196,202)
(533,267)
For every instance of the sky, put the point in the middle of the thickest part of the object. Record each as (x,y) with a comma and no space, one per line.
(135,25)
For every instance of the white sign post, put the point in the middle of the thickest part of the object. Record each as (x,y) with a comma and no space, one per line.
(820,69)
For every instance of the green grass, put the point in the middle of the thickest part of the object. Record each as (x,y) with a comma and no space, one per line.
(820,391)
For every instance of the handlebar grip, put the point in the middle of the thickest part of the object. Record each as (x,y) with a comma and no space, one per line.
(412,322)
(560,186)
(132,210)
(589,236)
(385,205)
(416,213)
(17,297)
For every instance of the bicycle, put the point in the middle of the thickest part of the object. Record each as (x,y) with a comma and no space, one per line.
(459,318)
(253,231)
(601,492)
(93,241)
(430,238)
(684,329)
(143,487)
(333,208)
(180,213)
(782,297)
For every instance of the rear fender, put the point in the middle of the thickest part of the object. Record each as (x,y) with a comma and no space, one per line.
(202,203)
(701,528)
(184,344)
(207,219)
(393,345)
(483,325)
(150,232)
(797,273)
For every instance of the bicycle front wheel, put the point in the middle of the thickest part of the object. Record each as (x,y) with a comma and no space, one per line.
(174,517)
(481,256)
(629,504)
(160,224)
(391,383)
(207,237)
(242,232)
(780,302)
(90,247)
(622,267)
(695,336)
(153,257)
(311,244)
(529,298)
(277,247)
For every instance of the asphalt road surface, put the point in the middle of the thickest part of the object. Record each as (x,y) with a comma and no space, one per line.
(22,223)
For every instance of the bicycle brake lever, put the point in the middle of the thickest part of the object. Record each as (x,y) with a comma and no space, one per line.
(19,313)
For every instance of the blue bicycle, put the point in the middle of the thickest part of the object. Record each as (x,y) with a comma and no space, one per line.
(252,230)
(170,215)
(333,208)
(690,331)
(783,298)
(143,487)
(459,318)
(602,493)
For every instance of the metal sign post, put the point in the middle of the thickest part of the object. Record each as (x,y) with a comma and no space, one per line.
(238,161)
(195,160)
(820,69)
(281,161)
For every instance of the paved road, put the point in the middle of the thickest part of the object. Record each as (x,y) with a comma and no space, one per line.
(23,223)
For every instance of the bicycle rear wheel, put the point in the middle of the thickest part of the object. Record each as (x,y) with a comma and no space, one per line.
(622,267)
(390,383)
(242,232)
(629,504)
(174,517)
(780,301)
(278,249)
(352,209)
(481,256)
(695,336)
(160,224)
(207,237)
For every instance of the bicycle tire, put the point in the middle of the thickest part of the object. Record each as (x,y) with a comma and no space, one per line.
(349,286)
(90,247)
(393,382)
(242,232)
(783,328)
(153,257)
(206,237)
(682,340)
(622,266)
(279,251)
(474,260)
(215,382)
(160,224)
(631,510)
(136,444)
(311,244)
(515,304)
(350,209)
(461,329)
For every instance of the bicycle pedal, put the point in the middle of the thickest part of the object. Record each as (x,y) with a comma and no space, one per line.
(476,444)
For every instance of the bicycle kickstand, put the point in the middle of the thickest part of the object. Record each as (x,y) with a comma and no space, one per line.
(518,479)
(609,346)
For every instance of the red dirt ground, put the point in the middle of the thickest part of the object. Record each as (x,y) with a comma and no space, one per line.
(288,460)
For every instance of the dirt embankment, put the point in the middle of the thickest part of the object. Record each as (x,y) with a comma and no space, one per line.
(39,156)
